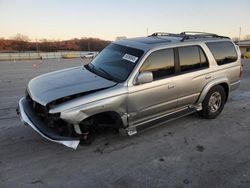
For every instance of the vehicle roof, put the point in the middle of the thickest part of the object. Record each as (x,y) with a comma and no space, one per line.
(150,42)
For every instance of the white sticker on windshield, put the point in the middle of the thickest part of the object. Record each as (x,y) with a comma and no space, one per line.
(130,58)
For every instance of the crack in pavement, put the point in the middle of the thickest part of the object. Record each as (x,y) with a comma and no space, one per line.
(107,149)
(37,181)
(11,117)
(8,108)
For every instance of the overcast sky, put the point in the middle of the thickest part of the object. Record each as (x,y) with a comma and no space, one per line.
(107,19)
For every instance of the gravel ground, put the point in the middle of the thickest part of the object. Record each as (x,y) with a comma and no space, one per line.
(188,152)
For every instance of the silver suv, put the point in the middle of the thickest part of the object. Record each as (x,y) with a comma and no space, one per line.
(134,84)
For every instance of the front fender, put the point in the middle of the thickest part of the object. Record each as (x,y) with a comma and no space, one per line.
(113,104)
(211,84)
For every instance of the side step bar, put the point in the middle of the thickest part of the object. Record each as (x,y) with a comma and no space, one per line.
(160,121)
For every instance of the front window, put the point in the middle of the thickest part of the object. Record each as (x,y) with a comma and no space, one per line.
(115,62)
(160,63)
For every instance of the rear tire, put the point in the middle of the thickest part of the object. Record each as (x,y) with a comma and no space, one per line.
(213,103)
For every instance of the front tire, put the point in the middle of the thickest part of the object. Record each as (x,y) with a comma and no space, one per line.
(213,103)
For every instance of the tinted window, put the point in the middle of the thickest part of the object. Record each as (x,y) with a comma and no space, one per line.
(224,52)
(115,62)
(192,58)
(203,59)
(160,63)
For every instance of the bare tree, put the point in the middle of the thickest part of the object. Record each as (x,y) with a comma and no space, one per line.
(20,37)
(21,42)
(235,39)
(247,37)
(120,37)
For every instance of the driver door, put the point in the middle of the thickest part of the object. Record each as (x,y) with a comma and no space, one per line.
(150,100)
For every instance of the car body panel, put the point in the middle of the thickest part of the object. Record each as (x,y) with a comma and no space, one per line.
(111,99)
(53,86)
(148,100)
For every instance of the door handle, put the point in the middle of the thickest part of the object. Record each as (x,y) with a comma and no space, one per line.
(208,76)
(171,86)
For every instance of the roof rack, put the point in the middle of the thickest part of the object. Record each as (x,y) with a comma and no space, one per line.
(164,34)
(189,35)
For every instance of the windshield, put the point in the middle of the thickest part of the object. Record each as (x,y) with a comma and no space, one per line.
(115,62)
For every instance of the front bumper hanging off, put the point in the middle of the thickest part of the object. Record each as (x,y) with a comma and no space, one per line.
(29,117)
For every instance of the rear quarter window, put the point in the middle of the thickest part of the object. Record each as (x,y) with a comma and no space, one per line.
(223,52)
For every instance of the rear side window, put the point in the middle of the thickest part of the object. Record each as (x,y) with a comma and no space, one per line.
(223,52)
(160,63)
(192,58)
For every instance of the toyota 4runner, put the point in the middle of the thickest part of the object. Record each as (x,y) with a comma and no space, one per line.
(134,84)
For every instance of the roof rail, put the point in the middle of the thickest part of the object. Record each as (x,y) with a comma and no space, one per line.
(197,32)
(189,35)
(164,34)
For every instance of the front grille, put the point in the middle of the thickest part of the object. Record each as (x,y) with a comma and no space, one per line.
(52,121)
(40,109)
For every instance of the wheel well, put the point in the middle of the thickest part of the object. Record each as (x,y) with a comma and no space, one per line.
(106,119)
(226,88)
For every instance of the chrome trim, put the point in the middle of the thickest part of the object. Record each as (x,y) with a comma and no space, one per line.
(25,119)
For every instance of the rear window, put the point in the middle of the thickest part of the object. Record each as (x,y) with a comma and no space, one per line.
(223,52)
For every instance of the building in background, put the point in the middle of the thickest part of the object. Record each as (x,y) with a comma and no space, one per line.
(244,47)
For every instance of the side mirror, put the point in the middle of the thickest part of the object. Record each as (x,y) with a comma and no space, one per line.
(144,77)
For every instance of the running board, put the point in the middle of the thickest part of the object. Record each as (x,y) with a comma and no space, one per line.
(159,121)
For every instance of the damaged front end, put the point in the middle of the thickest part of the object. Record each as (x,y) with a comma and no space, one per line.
(50,90)
(50,126)
(55,90)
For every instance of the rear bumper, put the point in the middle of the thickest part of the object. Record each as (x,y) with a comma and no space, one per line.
(235,85)
(28,117)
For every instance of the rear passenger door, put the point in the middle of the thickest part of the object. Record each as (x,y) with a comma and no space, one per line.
(193,74)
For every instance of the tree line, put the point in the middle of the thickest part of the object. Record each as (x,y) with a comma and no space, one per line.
(22,43)
(83,44)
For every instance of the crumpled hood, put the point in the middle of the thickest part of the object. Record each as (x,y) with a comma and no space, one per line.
(55,85)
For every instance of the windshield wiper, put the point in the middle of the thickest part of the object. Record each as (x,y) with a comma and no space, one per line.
(98,71)
(107,75)
(90,67)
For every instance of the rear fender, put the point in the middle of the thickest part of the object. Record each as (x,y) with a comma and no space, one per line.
(209,86)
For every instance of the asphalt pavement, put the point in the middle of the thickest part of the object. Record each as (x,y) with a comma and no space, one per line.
(188,152)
